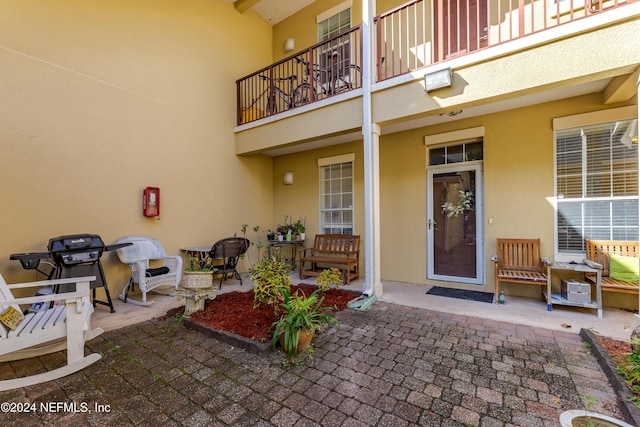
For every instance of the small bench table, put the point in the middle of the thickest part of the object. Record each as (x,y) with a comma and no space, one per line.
(559,300)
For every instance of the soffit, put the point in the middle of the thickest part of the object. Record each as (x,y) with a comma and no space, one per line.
(272,11)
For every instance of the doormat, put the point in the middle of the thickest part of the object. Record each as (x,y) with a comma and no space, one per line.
(461,294)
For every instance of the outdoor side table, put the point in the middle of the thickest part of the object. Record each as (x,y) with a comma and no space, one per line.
(293,244)
(557,299)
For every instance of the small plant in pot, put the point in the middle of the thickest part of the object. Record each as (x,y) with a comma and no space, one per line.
(299,229)
(199,271)
(301,317)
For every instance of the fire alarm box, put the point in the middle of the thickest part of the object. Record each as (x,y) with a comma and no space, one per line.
(151,201)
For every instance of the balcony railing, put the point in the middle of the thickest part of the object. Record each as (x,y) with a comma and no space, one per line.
(324,70)
(423,33)
(413,36)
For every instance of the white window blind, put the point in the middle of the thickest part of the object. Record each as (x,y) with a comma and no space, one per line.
(336,198)
(334,25)
(596,184)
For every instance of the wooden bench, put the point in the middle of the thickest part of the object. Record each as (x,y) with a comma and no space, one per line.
(331,250)
(598,252)
(66,326)
(519,261)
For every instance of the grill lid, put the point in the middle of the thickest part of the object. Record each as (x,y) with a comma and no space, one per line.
(75,243)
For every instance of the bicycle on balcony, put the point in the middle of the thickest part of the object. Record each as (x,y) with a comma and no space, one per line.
(289,99)
(334,79)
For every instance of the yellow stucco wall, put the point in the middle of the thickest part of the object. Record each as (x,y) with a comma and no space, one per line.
(303,26)
(518,187)
(301,200)
(101,99)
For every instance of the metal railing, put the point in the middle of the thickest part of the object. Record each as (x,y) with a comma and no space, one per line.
(422,33)
(324,70)
(410,37)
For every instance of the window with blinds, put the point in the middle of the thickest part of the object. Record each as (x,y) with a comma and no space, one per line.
(334,25)
(336,198)
(596,184)
(334,57)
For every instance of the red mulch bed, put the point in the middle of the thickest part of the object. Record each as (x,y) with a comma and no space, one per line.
(615,348)
(234,312)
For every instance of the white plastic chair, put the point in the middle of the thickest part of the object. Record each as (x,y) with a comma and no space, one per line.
(139,256)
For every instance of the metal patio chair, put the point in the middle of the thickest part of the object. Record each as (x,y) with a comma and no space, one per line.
(229,250)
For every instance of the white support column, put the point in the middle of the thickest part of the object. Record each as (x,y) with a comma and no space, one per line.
(371,141)
(637,317)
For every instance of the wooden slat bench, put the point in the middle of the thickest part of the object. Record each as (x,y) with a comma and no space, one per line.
(519,261)
(598,252)
(331,250)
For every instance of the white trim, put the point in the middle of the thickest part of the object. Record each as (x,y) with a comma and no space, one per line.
(574,122)
(333,11)
(336,160)
(478,167)
(596,117)
(455,136)
(343,158)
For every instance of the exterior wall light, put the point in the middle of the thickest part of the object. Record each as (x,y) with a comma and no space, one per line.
(437,80)
(288,178)
(289,45)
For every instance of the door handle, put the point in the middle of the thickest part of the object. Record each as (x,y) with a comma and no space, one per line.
(433,224)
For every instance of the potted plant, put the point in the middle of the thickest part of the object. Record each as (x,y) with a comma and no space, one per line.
(302,316)
(197,282)
(199,270)
(285,232)
(299,229)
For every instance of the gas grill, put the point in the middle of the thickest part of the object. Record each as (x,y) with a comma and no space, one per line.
(73,256)
(76,249)
(79,255)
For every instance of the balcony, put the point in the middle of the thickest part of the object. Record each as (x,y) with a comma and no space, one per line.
(411,37)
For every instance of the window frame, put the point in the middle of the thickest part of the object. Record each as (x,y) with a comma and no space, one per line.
(328,162)
(577,122)
(336,10)
(340,47)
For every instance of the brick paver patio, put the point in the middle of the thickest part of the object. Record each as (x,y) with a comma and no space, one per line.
(388,366)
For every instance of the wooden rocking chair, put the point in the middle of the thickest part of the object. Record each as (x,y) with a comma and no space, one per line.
(44,331)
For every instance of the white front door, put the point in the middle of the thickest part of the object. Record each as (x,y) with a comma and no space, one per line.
(454,223)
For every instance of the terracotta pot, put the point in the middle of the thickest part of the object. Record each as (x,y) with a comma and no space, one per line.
(304,341)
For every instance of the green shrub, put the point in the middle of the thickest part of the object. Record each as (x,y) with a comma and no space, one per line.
(269,277)
(328,277)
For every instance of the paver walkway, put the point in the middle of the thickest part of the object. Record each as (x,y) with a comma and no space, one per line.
(389,366)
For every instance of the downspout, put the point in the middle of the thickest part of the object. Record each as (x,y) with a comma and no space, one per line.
(371,141)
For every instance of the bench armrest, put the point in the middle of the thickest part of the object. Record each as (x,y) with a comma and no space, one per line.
(592,264)
(546,261)
(82,291)
(302,252)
